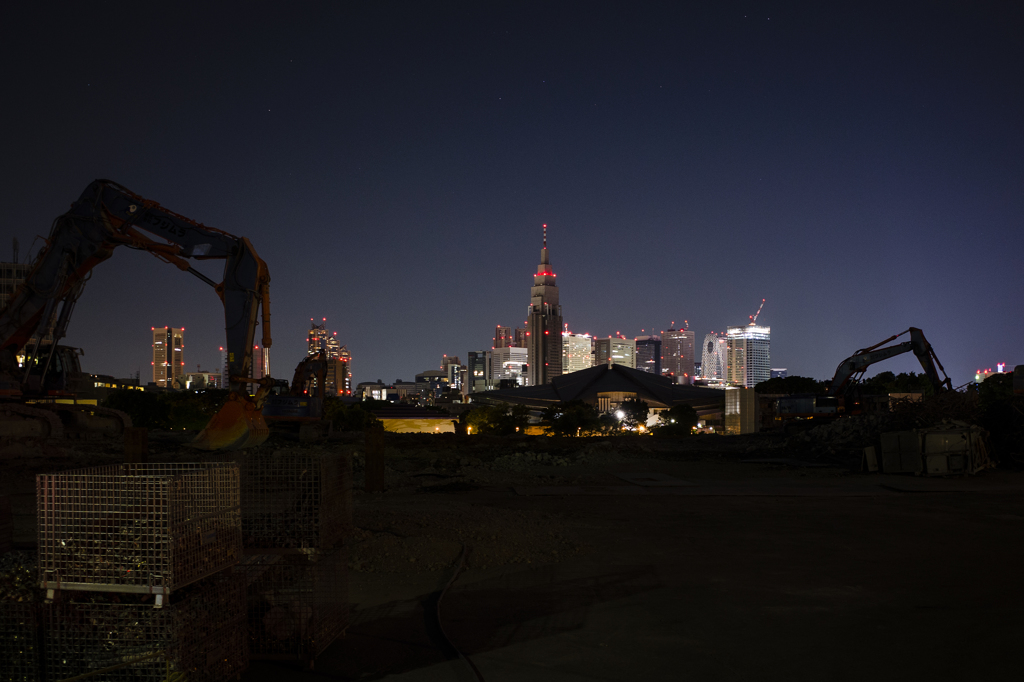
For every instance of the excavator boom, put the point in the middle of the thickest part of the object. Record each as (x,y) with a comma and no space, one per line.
(852,368)
(108,215)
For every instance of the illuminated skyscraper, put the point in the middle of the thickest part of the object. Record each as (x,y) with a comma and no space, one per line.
(714,360)
(339,360)
(648,354)
(616,351)
(317,337)
(509,364)
(544,324)
(577,352)
(168,356)
(749,355)
(677,355)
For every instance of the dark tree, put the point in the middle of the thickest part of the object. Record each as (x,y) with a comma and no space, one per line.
(676,421)
(352,416)
(792,385)
(499,420)
(635,413)
(574,418)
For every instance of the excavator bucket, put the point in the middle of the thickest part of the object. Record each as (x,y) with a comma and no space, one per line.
(239,424)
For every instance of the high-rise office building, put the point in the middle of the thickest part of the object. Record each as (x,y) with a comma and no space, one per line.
(509,364)
(317,336)
(502,337)
(519,337)
(749,355)
(343,371)
(714,358)
(648,354)
(779,373)
(544,324)
(454,371)
(615,350)
(677,355)
(260,362)
(506,337)
(577,352)
(478,371)
(339,361)
(169,356)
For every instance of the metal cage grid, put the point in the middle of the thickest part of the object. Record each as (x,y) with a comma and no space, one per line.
(149,528)
(19,642)
(295,501)
(199,637)
(297,603)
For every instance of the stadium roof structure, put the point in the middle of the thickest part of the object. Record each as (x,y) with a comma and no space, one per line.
(589,384)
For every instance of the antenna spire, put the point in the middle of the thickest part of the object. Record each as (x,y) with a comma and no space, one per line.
(545,235)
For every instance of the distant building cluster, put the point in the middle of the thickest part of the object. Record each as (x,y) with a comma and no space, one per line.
(531,355)
(545,348)
(339,360)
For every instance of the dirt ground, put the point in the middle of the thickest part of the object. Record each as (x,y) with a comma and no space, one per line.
(737,571)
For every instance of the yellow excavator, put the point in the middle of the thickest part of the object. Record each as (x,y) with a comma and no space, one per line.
(35,376)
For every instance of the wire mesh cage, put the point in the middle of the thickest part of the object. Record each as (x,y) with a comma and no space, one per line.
(199,637)
(20,618)
(297,603)
(295,500)
(146,528)
(20,624)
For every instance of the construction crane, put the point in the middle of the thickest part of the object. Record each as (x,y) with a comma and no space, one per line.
(753,318)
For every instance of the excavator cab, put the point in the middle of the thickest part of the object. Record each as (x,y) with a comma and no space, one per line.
(53,371)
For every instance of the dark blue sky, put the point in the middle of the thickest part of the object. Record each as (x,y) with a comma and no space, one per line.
(860,167)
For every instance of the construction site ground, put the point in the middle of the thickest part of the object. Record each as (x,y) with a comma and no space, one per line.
(643,559)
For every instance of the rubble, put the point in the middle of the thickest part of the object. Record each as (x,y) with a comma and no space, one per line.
(424,538)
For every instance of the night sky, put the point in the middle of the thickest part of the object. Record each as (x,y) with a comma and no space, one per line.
(861,168)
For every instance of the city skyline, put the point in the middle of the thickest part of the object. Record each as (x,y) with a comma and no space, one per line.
(690,162)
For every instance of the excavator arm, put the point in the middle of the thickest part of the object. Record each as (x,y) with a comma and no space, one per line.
(108,215)
(852,368)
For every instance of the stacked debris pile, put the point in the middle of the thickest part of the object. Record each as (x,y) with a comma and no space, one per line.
(963,406)
(296,517)
(841,440)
